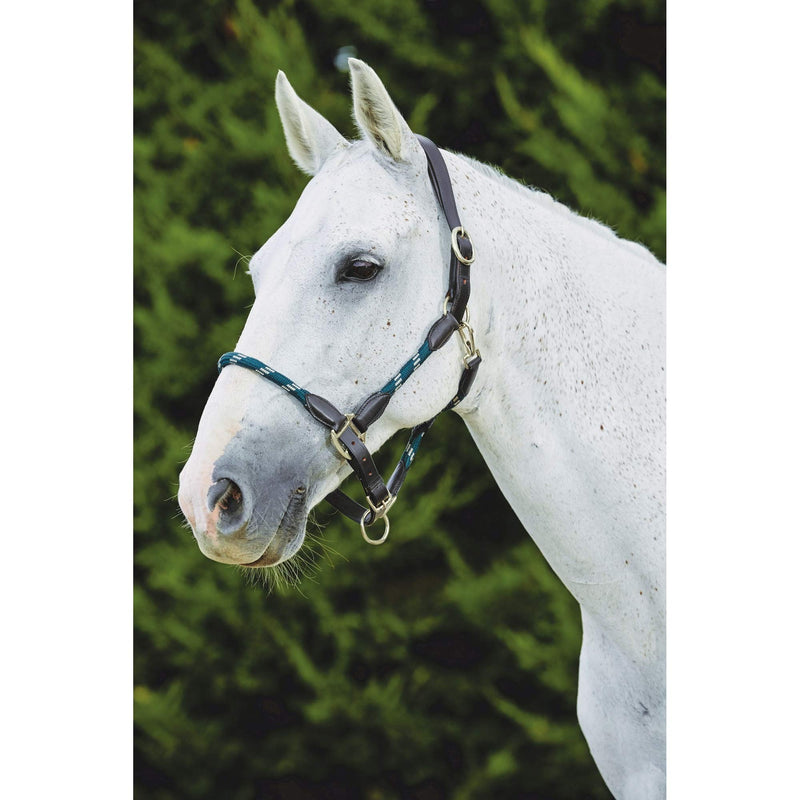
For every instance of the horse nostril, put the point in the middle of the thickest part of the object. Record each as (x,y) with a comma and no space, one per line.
(226,496)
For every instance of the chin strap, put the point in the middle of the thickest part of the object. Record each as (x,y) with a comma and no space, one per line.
(348,431)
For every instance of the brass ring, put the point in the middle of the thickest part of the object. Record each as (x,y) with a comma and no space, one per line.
(385,530)
(461,231)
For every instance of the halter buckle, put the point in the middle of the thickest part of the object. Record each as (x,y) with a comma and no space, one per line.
(461,231)
(337,435)
(382,509)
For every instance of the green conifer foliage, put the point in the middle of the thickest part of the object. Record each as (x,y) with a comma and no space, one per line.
(444,664)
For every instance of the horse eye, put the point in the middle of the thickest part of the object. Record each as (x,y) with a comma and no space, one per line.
(360,270)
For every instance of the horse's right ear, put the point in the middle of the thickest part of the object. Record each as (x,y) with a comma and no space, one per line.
(311,139)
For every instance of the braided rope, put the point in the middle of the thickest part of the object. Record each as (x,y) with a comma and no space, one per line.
(408,369)
(411,448)
(264,371)
(403,374)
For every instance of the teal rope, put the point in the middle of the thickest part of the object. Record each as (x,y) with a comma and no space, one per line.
(411,366)
(413,445)
(403,374)
(264,371)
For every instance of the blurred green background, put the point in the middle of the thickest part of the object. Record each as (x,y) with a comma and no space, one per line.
(444,664)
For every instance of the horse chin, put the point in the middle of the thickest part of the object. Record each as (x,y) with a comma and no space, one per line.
(288,538)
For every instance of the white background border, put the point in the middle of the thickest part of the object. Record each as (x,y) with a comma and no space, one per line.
(732,398)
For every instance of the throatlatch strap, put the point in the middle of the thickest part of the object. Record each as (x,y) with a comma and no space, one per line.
(349,431)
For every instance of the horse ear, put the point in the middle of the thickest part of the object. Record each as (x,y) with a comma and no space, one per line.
(378,117)
(311,139)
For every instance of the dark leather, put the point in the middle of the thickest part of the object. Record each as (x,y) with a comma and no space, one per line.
(441,331)
(370,410)
(459,289)
(464,246)
(468,377)
(443,188)
(398,476)
(364,467)
(324,411)
(347,506)
(440,180)
(355,511)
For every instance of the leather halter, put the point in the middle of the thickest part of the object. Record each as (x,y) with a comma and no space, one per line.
(349,430)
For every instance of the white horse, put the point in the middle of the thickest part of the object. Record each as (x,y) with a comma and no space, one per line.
(567,410)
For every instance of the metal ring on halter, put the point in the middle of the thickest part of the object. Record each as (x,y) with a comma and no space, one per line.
(385,530)
(454,234)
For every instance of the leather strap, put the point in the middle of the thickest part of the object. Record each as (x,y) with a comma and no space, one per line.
(443,188)
(325,412)
(371,409)
(440,180)
(468,377)
(362,464)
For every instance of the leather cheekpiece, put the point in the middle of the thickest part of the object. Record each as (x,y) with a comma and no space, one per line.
(459,288)
(441,331)
(468,377)
(324,411)
(370,410)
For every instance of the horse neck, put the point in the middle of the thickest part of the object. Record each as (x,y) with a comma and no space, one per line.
(568,407)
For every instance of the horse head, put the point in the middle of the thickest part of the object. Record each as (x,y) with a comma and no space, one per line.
(344,291)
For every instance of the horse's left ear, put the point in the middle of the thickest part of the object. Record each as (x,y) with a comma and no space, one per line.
(378,117)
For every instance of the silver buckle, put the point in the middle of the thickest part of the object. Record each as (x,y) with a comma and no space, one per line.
(462,232)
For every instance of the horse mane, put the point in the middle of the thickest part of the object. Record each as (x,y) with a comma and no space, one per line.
(545,200)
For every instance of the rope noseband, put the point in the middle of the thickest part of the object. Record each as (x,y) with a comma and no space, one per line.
(349,430)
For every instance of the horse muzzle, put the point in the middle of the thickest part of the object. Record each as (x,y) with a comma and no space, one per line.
(234,524)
